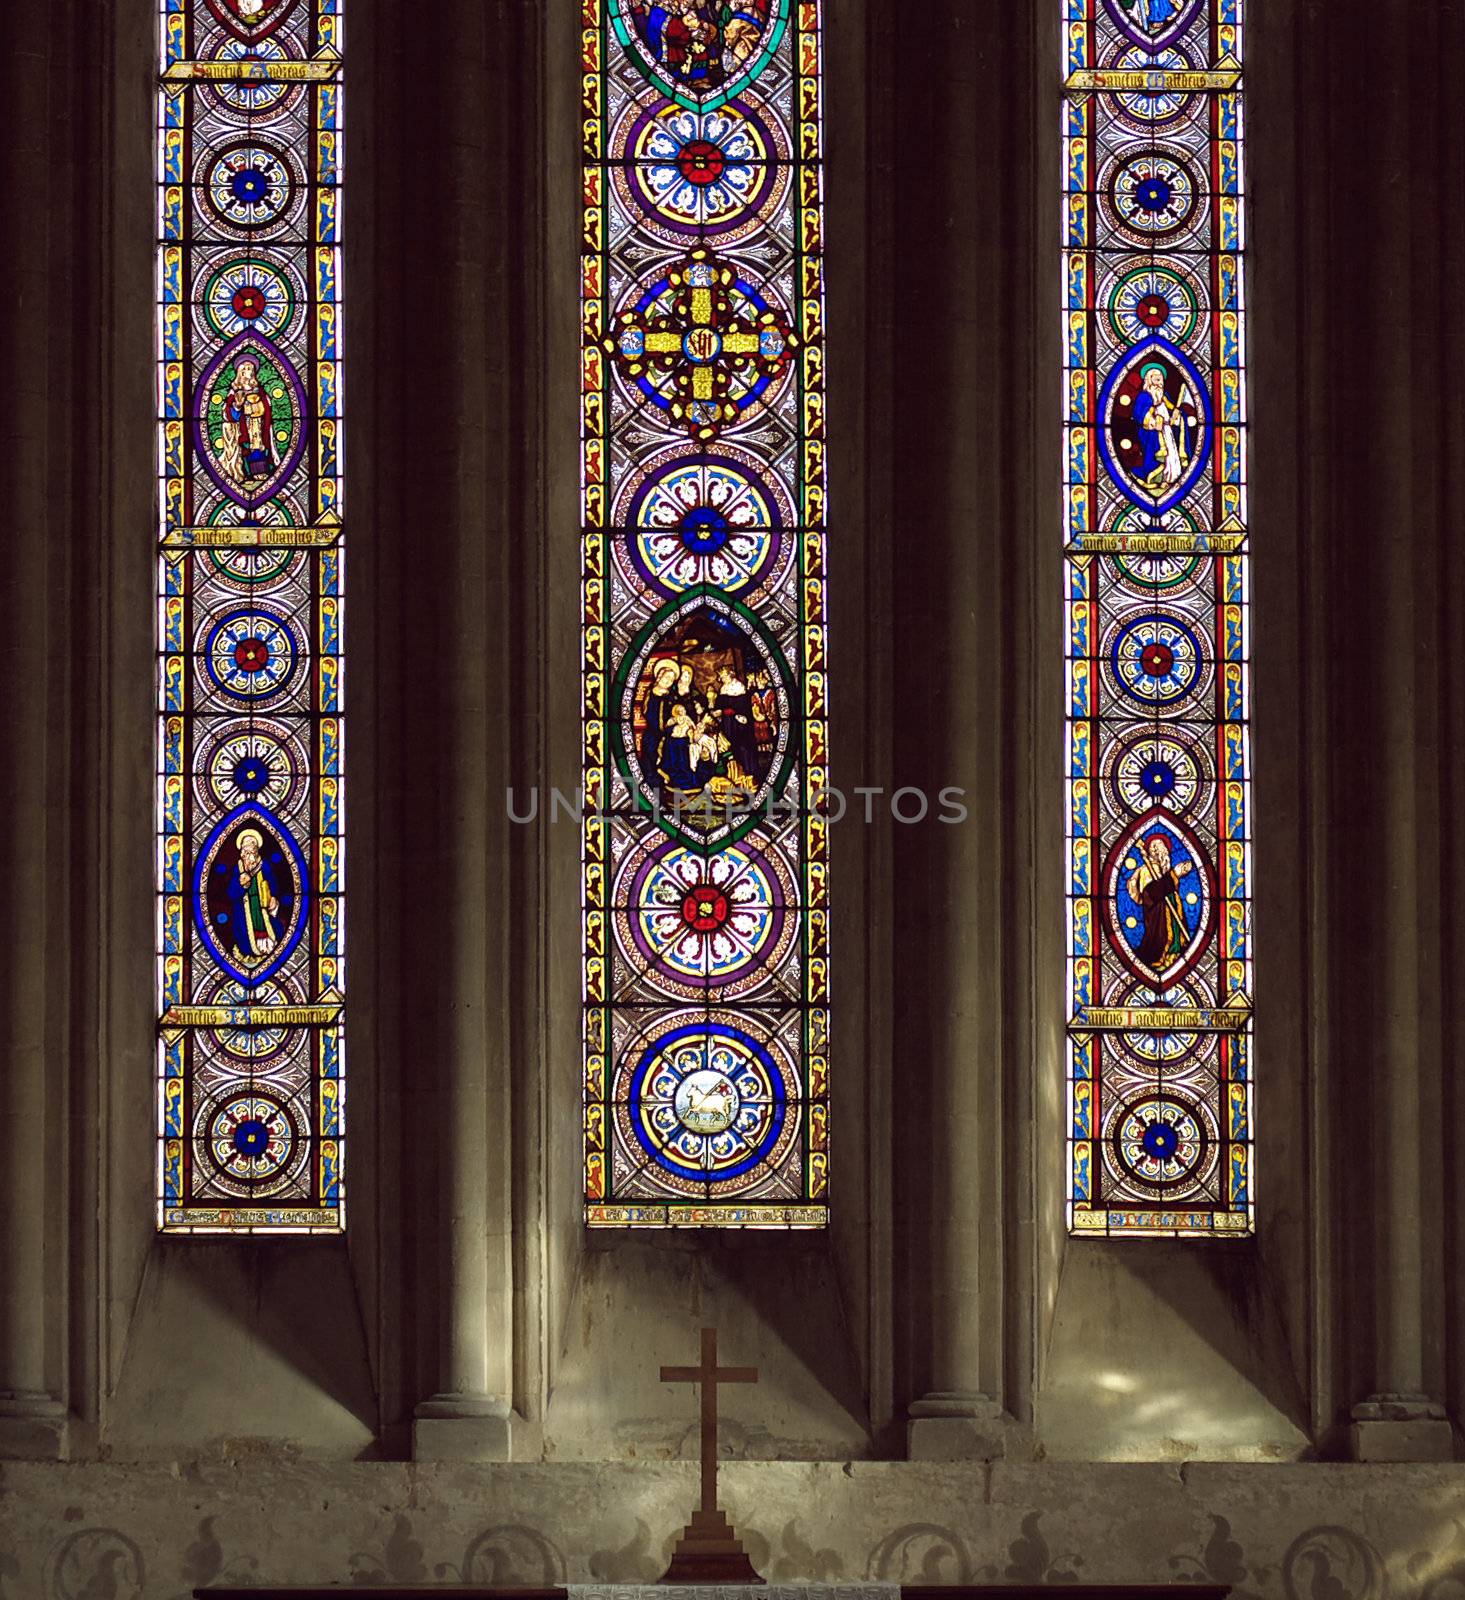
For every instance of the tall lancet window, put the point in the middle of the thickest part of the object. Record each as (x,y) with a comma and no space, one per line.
(705,850)
(250,803)
(1159,938)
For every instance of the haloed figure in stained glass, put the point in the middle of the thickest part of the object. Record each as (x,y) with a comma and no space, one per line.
(1155,887)
(255,904)
(689,739)
(699,731)
(1151,15)
(251,11)
(696,38)
(658,713)
(249,446)
(1167,433)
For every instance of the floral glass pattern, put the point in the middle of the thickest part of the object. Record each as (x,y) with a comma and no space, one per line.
(1160,1062)
(702,450)
(250,863)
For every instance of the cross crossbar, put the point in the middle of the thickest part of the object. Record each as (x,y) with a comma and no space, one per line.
(709,1375)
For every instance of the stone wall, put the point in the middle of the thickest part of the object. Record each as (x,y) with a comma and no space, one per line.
(141,1359)
(104,1532)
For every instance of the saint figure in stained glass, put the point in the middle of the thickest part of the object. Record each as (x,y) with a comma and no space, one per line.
(248,436)
(1154,886)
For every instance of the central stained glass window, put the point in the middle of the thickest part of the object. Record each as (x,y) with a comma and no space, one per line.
(705,851)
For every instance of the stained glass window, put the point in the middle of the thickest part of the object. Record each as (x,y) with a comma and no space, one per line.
(250,597)
(705,964)
(1158,773)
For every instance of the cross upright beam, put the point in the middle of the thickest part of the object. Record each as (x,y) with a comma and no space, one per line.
(709,1375)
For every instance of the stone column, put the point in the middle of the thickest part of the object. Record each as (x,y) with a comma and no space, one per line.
(1448,56)
(961,175)
(457,77)
(32,1419)
(1389,530)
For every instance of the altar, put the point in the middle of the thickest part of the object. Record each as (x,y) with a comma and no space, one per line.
(772,1591)
(709,1561)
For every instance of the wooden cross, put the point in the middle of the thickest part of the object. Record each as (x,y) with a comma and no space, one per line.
(709,1375)
(709,1550)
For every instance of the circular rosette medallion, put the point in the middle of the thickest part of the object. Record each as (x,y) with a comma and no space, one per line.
(257,760)
(251,1144)
(251,187)
(249,101)
(251,654)
(1154,297)
(1152,197)
(704,344)
(1156,660)
(1161,1054)
(1143,522)
(1159,577)
(699,175)
(218,509)
(1162,1142)
(1160,105)
(711,519)
(711,1104)
(243,294)
(246,570)
(266,1045)
(1158,766)
(700,925)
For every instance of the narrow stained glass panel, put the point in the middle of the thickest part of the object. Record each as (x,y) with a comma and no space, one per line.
(705,960)
(250,867)
(1156,603)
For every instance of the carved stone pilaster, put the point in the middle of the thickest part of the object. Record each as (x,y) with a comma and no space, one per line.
(963,181)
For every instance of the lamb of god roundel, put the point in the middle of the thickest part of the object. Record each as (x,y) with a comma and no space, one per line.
(705,852)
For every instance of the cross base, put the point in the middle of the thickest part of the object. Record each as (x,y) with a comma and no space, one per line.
(710,1552)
